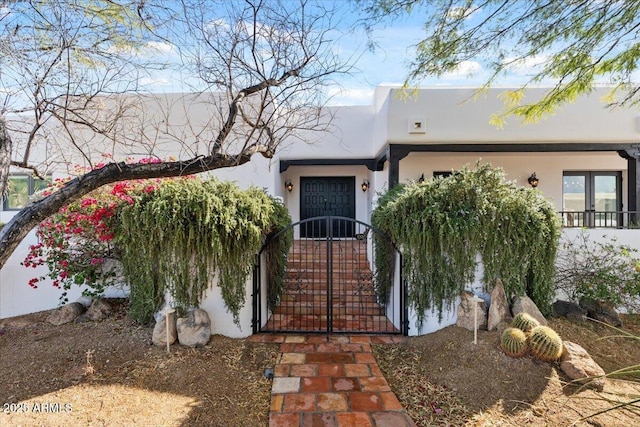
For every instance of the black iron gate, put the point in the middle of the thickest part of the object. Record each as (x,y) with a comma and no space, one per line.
(333,284)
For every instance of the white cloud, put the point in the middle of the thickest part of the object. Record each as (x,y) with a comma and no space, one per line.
(525,66)
(155,82)
(459,12)
(350,96)
(160,47)
(463,70)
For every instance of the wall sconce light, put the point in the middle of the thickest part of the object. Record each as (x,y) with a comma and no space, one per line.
(364,185)
(288,185)
(533,180)
(421,179)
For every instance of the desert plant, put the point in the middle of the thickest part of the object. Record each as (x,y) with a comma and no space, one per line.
(524,322)
(545,344)
(624,401)
(601,270)
(442,224)
(514,342)
(176,238)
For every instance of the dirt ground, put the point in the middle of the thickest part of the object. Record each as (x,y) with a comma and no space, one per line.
(108,373)
(443,379)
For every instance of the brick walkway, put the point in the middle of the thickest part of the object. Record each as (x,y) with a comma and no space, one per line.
(334,384)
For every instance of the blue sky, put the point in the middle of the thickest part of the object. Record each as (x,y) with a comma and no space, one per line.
(387,64)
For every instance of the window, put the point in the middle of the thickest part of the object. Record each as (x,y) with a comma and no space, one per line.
(592,199)
(19,188)
(442,174)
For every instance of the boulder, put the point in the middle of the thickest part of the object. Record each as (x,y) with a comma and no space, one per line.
(66,313)
(601,311)
(98,310)
(466,312)
(195,329)
(159,336)
(499,314)
(524,304)
(576,363)
(570,310)
(85,300)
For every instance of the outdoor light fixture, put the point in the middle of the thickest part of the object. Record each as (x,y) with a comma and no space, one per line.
(421,179)
(533,180)
(288,185)
(364,185)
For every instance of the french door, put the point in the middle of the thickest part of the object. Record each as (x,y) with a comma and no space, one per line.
(592,199)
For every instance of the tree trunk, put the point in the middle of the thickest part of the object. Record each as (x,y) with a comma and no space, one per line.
(30,216)
(5,157)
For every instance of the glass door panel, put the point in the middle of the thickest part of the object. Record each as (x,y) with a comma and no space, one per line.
(574,199)
(605,200)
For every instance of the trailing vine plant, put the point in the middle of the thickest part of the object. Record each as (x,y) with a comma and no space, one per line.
(276,251)
(177,238)
(442,224)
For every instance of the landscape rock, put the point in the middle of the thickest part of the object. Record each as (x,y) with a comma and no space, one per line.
(159,336)
(195,329)
(66,313)
(524,304)
(601,311)
(576,363)
(466,312)
(85,300)
(570,310)
(499,314)
(99,310)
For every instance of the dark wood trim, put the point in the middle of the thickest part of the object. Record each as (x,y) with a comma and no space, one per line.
(550,147)
(371,164)
(393,153)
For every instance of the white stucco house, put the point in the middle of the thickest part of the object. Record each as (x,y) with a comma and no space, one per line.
(586,159)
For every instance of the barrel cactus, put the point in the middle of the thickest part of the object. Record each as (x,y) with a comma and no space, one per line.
(524,322)
(514,342)
(545,344)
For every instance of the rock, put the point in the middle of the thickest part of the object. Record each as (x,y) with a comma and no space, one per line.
(159,336)
(195,329)
(85,300)
(499,315)
(66,313)
(576,363)
(601,311)
(524,304)
(570,310)
(99,310)
(466,312)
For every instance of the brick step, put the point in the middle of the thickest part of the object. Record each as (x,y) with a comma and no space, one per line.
(338,296)
(344,286)
(299,272)
(312,263)
(337,310)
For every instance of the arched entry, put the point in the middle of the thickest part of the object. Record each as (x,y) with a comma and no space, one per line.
(337,283)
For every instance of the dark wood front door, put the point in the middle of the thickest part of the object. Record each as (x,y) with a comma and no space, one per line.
(322,196)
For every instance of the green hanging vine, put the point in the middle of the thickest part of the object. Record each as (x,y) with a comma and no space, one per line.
(442,224)
(179,236)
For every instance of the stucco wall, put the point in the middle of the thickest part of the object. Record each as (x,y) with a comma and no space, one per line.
(453,115)
(432,323)
(548,167)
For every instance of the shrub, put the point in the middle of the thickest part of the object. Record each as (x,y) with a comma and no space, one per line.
(599,270)
(178,237)
(443,223)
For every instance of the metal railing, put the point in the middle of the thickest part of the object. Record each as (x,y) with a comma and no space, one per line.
(600,219)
